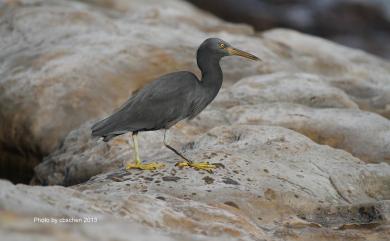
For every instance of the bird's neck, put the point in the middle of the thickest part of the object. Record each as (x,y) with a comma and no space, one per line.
(212,76)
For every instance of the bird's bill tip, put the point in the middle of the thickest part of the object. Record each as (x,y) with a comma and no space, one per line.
(234,51)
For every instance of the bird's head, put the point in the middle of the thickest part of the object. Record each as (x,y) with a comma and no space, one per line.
(221,49)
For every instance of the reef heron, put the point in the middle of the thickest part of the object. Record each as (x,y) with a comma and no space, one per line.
(168,100)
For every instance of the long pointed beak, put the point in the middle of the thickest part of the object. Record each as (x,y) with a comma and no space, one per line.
(234,51)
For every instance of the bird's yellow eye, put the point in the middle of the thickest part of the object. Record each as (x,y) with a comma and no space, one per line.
(221,45)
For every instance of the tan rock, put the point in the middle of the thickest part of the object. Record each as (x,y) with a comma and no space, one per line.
(65,62)
(320,111)
(274,182)
(301,88)
(365,135)
(123,216)
(16,226)
(363,76)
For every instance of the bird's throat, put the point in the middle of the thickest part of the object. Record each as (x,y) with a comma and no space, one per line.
(212,75)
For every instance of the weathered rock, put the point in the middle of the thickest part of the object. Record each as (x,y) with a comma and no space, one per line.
(275,182)
(310,105)
(102,157)
(67,214)
(68,62)
(320,111)
(301,88)
(64,62)
(15,227)
(81,157)
(279,179)
(363,134)
(363,77)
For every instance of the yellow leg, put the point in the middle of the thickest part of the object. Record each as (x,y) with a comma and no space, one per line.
(137,164)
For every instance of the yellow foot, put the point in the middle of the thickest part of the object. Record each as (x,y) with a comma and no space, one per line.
(199,165)
(146,166)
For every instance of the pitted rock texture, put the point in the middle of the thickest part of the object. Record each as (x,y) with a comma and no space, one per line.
(363,134)
(361,76)
(312,106)
(325,114)
(273,184)
(301,139)
(67,62)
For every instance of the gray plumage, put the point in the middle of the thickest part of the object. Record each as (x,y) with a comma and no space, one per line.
(172,97)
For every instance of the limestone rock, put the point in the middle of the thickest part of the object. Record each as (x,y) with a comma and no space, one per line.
(301,138)
(274,183)
(311,105)
(363,77)
(67,214)
(336,121)
(107,229)
(365,135)
(301,88)
(66,62)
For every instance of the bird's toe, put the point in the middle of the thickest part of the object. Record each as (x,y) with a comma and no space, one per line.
(206,166)
(144,166)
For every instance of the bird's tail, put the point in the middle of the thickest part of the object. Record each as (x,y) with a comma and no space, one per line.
(105,129)
(99,129)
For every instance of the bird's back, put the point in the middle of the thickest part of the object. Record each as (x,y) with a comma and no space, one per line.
(160,104)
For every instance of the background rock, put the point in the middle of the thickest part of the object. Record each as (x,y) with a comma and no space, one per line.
(282,181)
(302,138)
(275,183)
(363,77)
(355,23)
(363,134)
(64,62)
(300,88)
(254,100)
(98,222)
(320,111)
(67,62)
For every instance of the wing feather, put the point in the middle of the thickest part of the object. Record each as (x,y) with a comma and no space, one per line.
(159,104)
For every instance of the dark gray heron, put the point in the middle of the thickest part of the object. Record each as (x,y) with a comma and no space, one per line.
(168,100)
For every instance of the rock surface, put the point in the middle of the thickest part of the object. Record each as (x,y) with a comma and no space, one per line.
(68,62)
(65,62)
(302,139)
(274,184)
(301,102)
(311,106)
(281,180)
